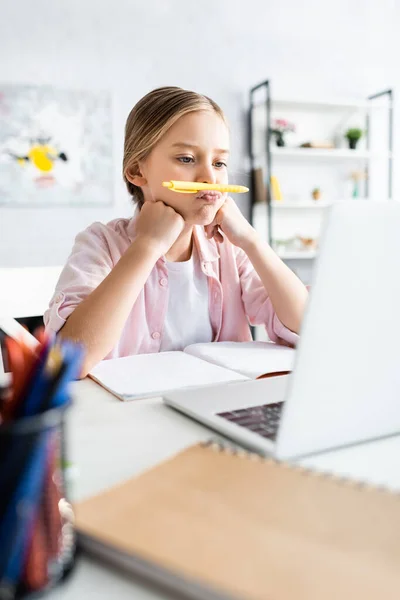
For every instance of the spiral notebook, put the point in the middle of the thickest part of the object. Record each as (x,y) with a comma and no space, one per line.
(216,523)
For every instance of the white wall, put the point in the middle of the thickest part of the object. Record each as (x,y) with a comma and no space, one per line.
(219,47)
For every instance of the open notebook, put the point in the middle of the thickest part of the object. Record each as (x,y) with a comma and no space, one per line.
(213,523)
(145,375)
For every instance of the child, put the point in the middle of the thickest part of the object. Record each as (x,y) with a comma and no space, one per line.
(189,267)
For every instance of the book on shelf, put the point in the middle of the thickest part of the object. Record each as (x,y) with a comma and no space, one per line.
(325,145)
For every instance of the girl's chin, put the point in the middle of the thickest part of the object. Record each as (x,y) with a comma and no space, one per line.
(204,216)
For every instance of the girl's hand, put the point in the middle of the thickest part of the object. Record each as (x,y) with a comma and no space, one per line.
(232,223)
(159,225)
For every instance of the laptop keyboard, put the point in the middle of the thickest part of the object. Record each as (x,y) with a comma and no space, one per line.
(263,420)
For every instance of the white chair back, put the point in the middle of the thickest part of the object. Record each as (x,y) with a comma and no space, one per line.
(26,291)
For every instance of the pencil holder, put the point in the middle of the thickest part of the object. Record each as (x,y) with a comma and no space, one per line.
(37,537)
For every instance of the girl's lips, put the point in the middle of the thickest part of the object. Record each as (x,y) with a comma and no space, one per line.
(210,196)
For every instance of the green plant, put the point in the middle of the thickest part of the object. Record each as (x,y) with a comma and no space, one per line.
(353,134)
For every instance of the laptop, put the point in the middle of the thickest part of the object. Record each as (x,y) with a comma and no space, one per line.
(345,385)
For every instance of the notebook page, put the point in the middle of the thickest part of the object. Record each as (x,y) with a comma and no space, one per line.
(147,375)
(252,359)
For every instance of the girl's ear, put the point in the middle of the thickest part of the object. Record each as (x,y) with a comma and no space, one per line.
(136,177)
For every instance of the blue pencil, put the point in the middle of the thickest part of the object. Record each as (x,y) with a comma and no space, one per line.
(17,524)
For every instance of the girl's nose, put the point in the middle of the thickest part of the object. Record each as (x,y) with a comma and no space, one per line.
(206,174)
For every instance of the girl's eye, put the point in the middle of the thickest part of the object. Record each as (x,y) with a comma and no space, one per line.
(186,159)
(220,164)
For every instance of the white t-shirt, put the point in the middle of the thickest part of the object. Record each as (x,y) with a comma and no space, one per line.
(188,318)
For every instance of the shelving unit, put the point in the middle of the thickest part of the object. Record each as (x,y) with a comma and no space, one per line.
(375,162)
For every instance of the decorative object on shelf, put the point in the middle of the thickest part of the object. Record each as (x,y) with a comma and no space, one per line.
(279,128)
(356,177)
(316,193)
(284,245)
(321,145)
(296,244)
(353,135)
(308,243)
(260,189)
(276,189)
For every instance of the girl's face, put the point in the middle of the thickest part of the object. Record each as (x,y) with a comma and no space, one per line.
(195,148)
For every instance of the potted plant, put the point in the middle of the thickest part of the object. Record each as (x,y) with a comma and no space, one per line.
(316,193)
(279,127)
(353,135)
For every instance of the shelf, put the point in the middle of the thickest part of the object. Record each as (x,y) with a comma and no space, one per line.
(334,153)
(261,207)
(299,255)
(340,104)
(318,204)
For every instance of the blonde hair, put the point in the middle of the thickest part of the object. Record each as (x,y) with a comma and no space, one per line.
(150,119)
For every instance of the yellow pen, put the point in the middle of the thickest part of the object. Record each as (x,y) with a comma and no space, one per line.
(191,187)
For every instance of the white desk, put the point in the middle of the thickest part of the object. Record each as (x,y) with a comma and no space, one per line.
(110,441)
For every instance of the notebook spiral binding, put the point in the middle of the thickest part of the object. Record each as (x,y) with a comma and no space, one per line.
(248,454)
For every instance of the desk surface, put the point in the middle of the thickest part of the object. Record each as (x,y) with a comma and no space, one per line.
(110,441)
